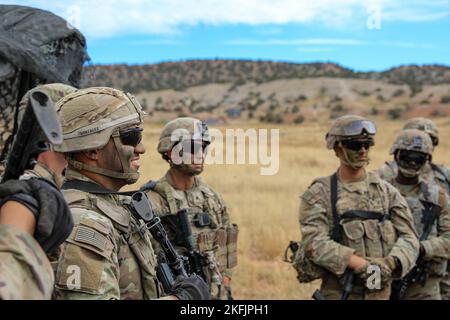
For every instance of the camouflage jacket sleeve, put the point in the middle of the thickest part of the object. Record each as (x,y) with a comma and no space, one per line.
(87,266)
(315,229)
(439,247)
(406,247)
(25,272)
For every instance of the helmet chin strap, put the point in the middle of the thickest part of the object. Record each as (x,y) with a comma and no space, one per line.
(130,177)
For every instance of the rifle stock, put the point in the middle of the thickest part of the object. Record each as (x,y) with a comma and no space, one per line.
(39,126)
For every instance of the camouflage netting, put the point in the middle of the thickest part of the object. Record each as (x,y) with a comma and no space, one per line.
(36,47)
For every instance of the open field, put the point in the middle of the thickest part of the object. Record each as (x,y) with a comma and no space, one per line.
(266,207)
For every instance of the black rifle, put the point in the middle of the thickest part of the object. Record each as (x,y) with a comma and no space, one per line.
(419,274)
(195,258)
(39,127)
(170,263)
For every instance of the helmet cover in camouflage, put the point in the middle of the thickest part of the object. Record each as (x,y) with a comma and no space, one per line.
(349,126)
(182,129)
(425,125)
(413,140)
(90,116)
(55,91)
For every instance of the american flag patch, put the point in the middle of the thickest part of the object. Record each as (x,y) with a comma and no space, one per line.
(90,236)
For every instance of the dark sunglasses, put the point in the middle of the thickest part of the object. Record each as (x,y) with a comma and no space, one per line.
(131,136)
(193,147)
(356,145)
(418,158)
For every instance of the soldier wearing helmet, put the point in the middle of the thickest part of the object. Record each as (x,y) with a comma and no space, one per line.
(353,222)
(109,255)
(412,150)
(183,144)
(34,219)
(431,171)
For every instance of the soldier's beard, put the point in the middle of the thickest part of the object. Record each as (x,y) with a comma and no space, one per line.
(350,158)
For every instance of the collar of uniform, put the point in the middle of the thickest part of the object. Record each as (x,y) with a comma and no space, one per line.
(167,178)
(362,185)
(72,174)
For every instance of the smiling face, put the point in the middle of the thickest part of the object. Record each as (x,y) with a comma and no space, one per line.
(122,152)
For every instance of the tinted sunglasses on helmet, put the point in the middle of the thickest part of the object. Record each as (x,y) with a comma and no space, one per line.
(416,157)
(131,136)
(357,145)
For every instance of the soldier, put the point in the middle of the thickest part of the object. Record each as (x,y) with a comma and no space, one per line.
(109,254)
(183,144)
(430,207)
(34,220)
(431,171)
(353,224)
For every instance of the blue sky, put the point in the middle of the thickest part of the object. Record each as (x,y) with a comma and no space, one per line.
(363,35)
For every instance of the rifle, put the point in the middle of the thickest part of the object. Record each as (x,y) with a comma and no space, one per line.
(419,274)
(195,258)
(347,286)
(39,127)
(170,263)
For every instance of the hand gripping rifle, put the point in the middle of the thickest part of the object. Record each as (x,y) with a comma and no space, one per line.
(39,127)
(170,263)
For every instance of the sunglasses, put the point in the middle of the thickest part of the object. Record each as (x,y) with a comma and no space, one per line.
(409,157)
(356,145)
(193,147)
(131,136)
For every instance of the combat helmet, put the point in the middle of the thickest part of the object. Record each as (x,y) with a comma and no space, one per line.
(55,91)
(181,129)
(90,117)
(425,125)
(347,127)
(413,140)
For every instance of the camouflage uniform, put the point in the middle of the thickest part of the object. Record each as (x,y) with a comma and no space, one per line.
(25,271)
(393,236)
(431,172)
(109,246)
(436,247)
(109,254)
(219,238)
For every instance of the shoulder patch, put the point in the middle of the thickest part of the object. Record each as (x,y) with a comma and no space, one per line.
(90,236)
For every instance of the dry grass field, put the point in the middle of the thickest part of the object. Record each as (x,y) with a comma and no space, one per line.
(266,207)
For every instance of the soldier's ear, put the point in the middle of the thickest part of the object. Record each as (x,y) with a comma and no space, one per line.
(91,154)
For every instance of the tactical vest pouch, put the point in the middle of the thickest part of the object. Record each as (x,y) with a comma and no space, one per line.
(221,253)
(142,249)
(307,271)
(372,240)
(206,240)
(232,237)
(86,253)
(388,236)
(354,236)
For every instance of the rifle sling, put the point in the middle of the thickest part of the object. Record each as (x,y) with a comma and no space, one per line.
(92,187)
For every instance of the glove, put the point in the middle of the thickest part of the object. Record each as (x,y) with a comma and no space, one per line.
(190,288)
(54,222)
(386,266)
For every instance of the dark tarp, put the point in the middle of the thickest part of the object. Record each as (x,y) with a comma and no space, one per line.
(41,43)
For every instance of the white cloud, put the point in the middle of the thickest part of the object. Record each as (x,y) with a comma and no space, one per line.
(314,44)
(114,17)
(296,42)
